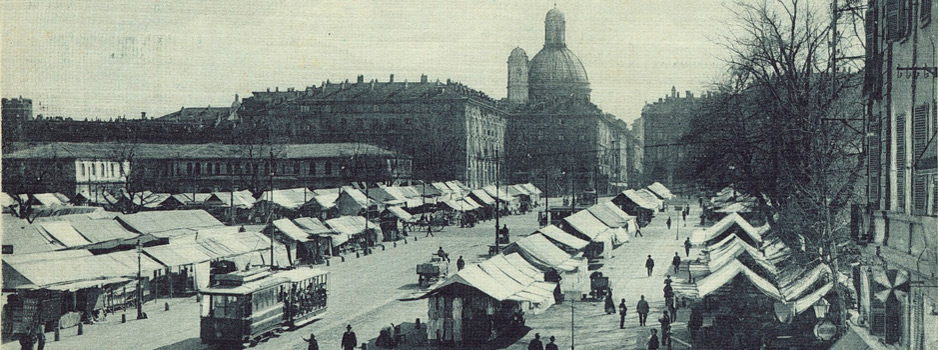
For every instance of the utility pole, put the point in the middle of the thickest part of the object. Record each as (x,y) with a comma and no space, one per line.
(546,196)
(497,195)
(139,284)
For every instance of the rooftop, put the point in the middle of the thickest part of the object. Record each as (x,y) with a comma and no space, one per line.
(75,150)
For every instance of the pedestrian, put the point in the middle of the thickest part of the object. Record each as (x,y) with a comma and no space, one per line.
(638,232)
(642,309)
(653,340)
(313,344)
(40,338)
(429,227)
(442,254)
(348,339)
(684,215)
(700,202)
(687,246)
(460,263)
(676,262)
(668,293)
(551,345)
(665,321)
(505,232)
(27,340)
(622,311)
(669,222)
(610,306)
(535,343)
(649,265)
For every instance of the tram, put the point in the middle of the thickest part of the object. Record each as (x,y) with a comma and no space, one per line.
(245,307)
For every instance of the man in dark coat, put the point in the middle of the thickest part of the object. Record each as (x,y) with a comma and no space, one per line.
(676,262)
(642,309)
(684,215)
(653,340)
(535,343)
(687,246)
(460,263)
(551,345)
(669,222)
(665,321)
(622,310)
(649,265)
(313,344)
(348,339)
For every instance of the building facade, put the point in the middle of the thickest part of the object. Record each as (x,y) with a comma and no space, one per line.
(452,132)
(898,300)
(91,169)
(664,124)
(559,139)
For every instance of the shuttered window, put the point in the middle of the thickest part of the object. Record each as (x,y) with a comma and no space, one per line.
(875,162)
(920,134)
(892,19)
(900,162)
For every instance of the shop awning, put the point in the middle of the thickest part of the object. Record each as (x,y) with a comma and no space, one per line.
(483,196)
(313,226)
(558,235)
(659,190)
(585,223)
(540,252)
(289,229)
(722,227)
(401,214)
(641,201)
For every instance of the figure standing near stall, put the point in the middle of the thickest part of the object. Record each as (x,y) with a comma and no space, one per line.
(622,310)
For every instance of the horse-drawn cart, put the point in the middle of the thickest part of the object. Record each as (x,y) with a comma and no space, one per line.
(430,272)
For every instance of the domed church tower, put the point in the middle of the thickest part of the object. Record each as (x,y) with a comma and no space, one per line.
(555,72)
(518,76)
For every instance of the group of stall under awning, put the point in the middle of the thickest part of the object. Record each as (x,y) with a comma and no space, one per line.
(733,248)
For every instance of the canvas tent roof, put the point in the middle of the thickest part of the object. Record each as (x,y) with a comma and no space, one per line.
(539,251)
(289,229)
(488,278)
(456,184)
(517,190)
(558,235)
(531,188)
(291,198)
(611,215)
(326,200)
(101,230)
(168,222)
(49,199)
(312,225)
(639,200)
(401,214)
(705,235)
(63,232)
(484,197)
(584,222)
(54,271)
(349,225)
(725,274)
(650,197)
(732,250)
(239,199)
(498,193)
(27,238)
(659,190)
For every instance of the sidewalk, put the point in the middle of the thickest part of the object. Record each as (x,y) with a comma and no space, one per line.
(626,270)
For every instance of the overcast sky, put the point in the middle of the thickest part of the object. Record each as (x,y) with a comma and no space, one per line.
(103,58)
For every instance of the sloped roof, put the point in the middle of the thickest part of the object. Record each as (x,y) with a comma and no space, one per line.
(56,271)
(102,230)
(639,200)
(718,229)
(63,232)
(239,199)
(290,198)
(584,222)
(27,238)
(401,214)
(611,215)
(159,222)
(558,235)
(500,194)
(531,188)
(659,190)
(289,229)
(483,196)
(539,251)
(312,225)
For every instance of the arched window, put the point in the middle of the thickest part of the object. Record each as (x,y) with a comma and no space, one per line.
(189,168)
(328,170)
(312,167)
(83,169)
(198,168)
(228,169)
(296,168)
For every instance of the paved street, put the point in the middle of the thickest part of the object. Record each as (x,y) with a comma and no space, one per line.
(363,292)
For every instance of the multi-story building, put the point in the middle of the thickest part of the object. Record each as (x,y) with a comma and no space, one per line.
(898,298)
(88,169)
(664,124)
(451,131)
(559,140)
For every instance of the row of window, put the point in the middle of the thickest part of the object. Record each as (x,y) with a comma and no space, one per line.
(390,108)
(237,168)
(105,170)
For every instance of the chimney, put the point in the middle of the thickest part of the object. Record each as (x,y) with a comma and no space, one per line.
(391,80)
(276,89)
(268,89)
(143,115)
(687,94)
(659,99)
(423,78)
(448,81)
(361,79)
(673,92)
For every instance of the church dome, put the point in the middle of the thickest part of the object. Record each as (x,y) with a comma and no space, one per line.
(554,14)
(518,54)
(557,65)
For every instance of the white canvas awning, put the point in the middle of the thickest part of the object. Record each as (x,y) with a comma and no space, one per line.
(558,235)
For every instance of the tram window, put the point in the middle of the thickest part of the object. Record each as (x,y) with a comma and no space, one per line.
(206,306)
(225,306)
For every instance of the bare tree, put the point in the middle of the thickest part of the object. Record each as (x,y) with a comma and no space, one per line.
(135,194)
(781,126)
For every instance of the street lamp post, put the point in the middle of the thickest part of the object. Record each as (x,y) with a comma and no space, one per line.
(497,195)
(139,285)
